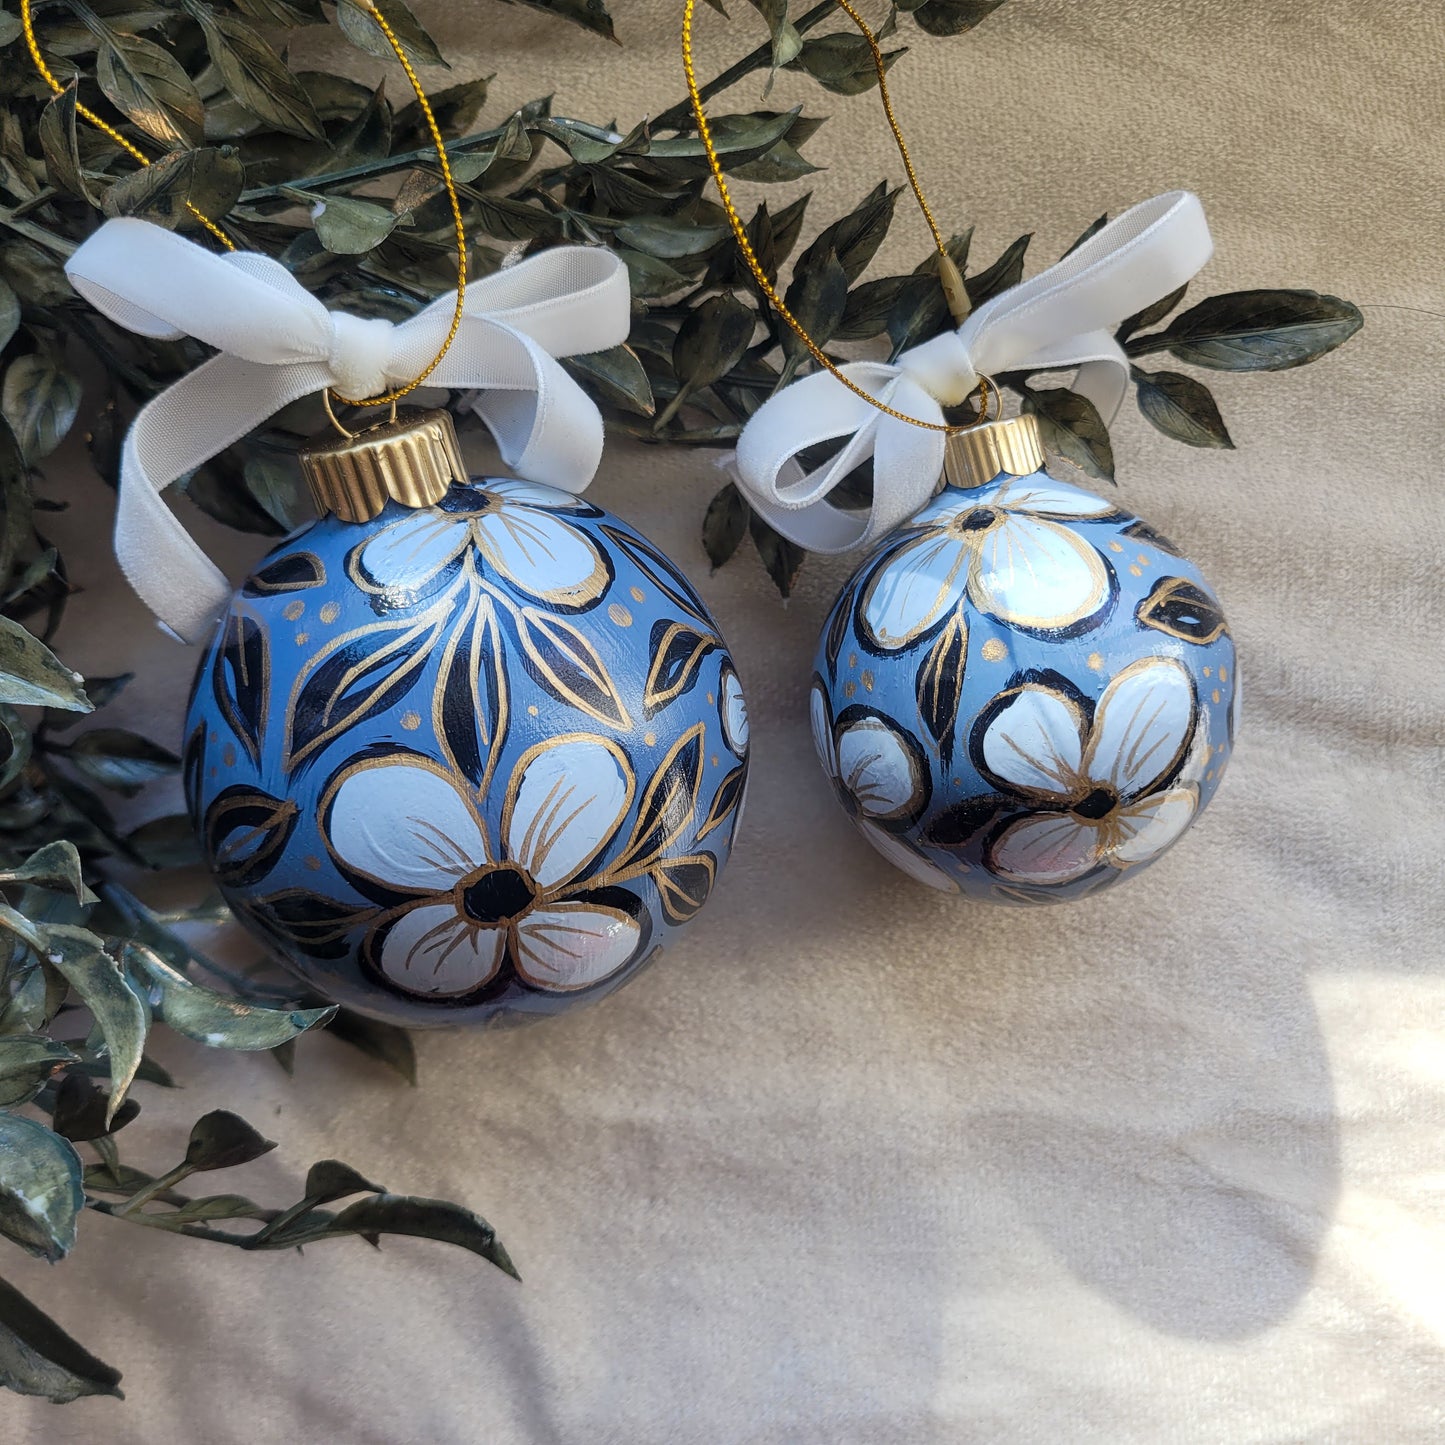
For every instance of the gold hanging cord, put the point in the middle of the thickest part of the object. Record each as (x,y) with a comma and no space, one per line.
(388,398)
(949,275)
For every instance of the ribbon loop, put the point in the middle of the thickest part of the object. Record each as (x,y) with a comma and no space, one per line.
(1061,319)
(278,343)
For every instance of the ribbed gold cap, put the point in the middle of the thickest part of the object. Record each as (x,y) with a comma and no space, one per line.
(411,460)
(973,458)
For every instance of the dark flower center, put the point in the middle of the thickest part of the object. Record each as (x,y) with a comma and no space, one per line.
(1098,804)
(977,520)
(497,895)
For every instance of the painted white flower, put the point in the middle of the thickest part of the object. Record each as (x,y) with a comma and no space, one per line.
(1007,547)
(519,528)
(1107,792)
(733,710)
(412,828)
(877,777)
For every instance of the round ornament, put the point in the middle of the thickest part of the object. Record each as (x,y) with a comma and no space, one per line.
(468,760)
(1025,693)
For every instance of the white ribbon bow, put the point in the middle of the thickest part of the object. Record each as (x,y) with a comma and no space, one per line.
(1061,318)
(278,343)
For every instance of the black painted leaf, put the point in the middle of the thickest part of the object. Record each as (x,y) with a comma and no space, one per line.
(668,807)
(566,663)
(1142,532)
(724,525)
(246,831)
(241,679)
(1181,407)
(955,826)
(299,918)
(726,801)
(1183,609)
(471,692)
(939,684)
(1256,330)
(678,649)
(838,627)
(683,884)
(1073,429)
(37,1357)
(659,571)
(291,572)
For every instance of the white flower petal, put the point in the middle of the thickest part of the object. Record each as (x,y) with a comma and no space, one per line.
(405,826)
(921,581)
(434,950)
(734,711)
(542,554)
(901,856)
(533,494)
(878,769)
(1046,848)
(1034,743)
(1032,573)
(573,945)
(1150,825)
(1142,724)
(819,715)
(1054,499)
(406,554)
(566,800)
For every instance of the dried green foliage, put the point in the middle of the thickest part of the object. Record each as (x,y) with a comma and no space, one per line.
(343,187)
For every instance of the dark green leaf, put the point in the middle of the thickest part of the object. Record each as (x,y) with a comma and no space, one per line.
(349,227)
(869,303)
(1089,232)
(330,1179)
(37,1357)
(148,85)
(216,1019)
(81,1110)
(32,675)
(1151,315)
(30,996)
(208,179)
(121,760)
(1007,271)
(35,276)
(669,237)
(724,525)
(856,237)
(40,398)
(455,109)
(40,1190)
(818,298)
(59,141)
(26,1062)
(782,558)
(386,1043)
(217,1206)
(283,13)
(783,163)
(843,62)
(9,313)
(367,35)
(222,1140)
(710,342)
(1257,330)
(168,842)
(1182,408)
(617,376)
(952,17)
(57,866)
(258,78)
(1073,429)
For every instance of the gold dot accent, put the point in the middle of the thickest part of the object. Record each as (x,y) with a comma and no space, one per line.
(1220,748)
(710,699)
(330,612)
(849,688)
(313,862)
(1096,661)
(993,650)
(293,610)
(302,638)
(1209,672)
(1116,546)
(532,709)
(637,594)
(411,721)
(650,739)
(213,772)
(852,659)
(714,760)
(868,680)
(1224,674)
(1209,776)
(620,615)
(1143,560)
(215,737)
(1136,571)
(1215,694)
(229,756)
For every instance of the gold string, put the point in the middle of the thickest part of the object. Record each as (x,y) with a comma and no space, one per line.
(390,397)
(950,278)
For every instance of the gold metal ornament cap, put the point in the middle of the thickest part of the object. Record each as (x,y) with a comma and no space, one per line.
(973,458)
(412,459)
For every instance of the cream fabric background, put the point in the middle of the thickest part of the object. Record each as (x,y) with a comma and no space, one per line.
(857,1165)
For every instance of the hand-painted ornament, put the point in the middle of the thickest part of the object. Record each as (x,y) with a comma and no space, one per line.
(471,759)
(1024,693)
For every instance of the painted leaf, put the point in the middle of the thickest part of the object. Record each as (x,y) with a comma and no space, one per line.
(683,885)
(241,679)
(939,684)
(37,1357)
(216,1019)
(246,832)
(563,660)
(291,572)
(659,571)
(668,807)
(726,801)
(471,697)
(1184,610)
(40,1188)
(678,650)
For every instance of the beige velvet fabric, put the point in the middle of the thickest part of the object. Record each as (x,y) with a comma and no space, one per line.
(857,1164)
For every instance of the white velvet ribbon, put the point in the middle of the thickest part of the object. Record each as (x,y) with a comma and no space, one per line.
(277,343)
(1062,318)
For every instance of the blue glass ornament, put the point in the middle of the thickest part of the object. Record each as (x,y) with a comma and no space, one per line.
(1025,693)
(468,761)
